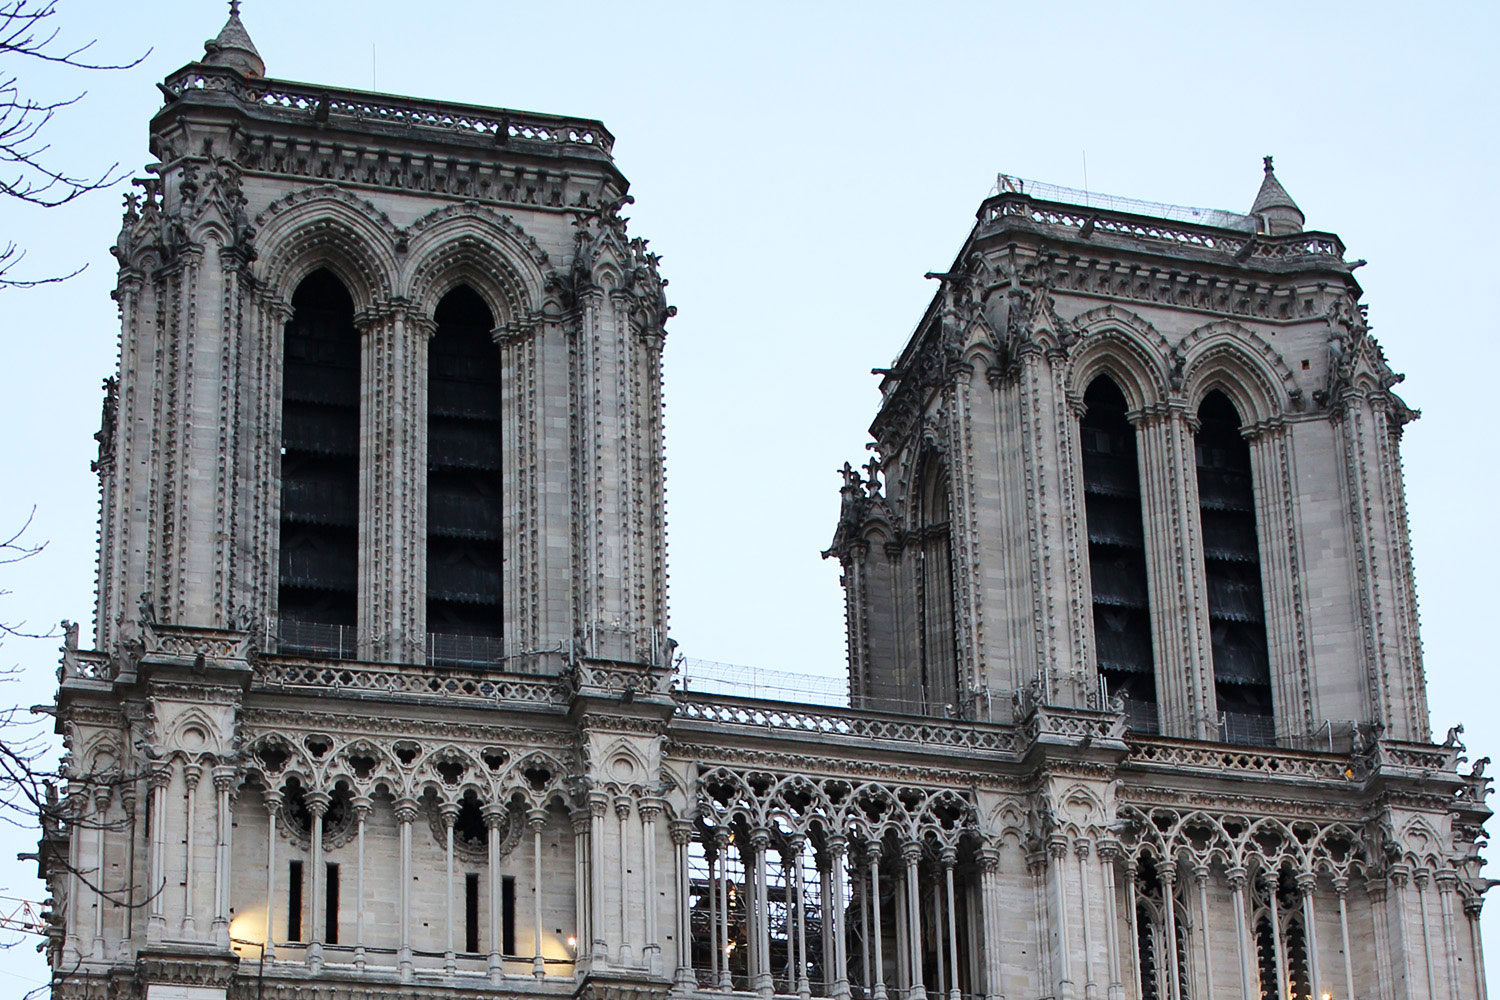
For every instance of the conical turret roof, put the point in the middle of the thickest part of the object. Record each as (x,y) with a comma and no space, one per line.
(1274,207)
(233,47)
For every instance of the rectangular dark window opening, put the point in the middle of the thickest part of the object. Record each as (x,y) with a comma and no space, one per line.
(331,906)
(508,910)
(471,913)
(294,902)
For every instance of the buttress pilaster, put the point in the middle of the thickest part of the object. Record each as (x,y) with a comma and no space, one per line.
(1279,533)
(963,531)
(1054,529)
(261,368)
(1385,596)
(1175,573)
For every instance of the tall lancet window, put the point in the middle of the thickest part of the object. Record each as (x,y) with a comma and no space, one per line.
(1231,559)
(319,471)
(1117,552)
(937,628)
(464,518)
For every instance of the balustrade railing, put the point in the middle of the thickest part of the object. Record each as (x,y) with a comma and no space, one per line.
(322,104)
(1090,220)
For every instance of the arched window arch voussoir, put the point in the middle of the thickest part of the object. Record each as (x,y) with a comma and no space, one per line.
(351,239)
(1246,370)
(471,251)
(1138,371)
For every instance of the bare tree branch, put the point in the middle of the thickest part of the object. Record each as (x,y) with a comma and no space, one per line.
(28,173)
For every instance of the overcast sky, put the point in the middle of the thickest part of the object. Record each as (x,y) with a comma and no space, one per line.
(799,168)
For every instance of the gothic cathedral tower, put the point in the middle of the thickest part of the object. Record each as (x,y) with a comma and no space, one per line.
(381,701)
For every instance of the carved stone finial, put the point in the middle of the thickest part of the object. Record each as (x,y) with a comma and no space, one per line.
(1267,161)
(1277,213)
(232,47)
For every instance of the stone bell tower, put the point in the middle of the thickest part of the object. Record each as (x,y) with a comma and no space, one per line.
(279,453)
(1144,452)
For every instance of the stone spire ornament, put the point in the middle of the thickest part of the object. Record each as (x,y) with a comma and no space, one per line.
(233,47)
(1277,212)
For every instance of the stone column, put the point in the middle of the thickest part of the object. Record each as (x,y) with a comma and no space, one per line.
(760,981)
(877,931)
(681,832)
(911,853)
(127,911)
(406,814)
(1447,881)
(651,952)
(1132,870)
(1109,850)
(191,775)
(361,805)
(1341,886)
(1380,929)
(721,943)
(223,779)
(1081,852)
(949,859)
(863,892)
(317,805)
(903,936)
(940,967)
(156,919)
(494,824)
(598,803)
(1273,882)
(1036,866)
(791,865)
(1307,883)
(1420,878)
(449,814)
(1242,936)
(1168,877)
(1057,849)
(622,815)
(1200,879)
(273,806)
(838,847)
(582,818)
(990,909)
(536,819)
(102,797)
(712,855)
(1472,907)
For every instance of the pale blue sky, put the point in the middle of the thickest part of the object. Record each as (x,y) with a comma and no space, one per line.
(800,167)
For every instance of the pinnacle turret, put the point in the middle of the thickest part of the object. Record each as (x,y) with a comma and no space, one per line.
(233,47)
(1277,212)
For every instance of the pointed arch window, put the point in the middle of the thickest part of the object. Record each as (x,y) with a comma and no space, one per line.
(937,627)
(319,530)
(464,516)
(1231,562)
(1117,552)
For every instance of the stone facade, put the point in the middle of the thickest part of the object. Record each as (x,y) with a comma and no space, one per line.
(269,800)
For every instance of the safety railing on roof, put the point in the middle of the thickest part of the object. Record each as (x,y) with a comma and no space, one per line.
(323,104)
